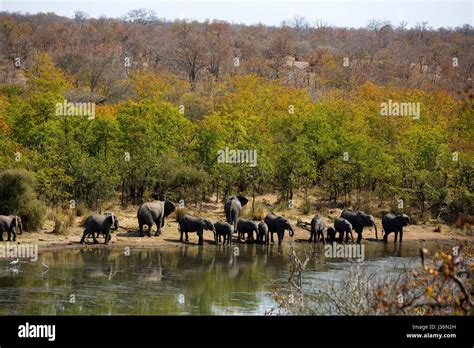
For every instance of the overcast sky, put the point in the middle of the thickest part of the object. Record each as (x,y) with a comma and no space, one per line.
(341,13)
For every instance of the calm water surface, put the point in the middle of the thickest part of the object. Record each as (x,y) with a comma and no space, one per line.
(181,280)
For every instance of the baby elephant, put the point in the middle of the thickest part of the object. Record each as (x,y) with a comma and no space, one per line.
(317,229)
(190,223)
(394,223)
(343,226)
(97,224)
(8,224)
(262,235)
(247,226)
(223,229)
(331,234)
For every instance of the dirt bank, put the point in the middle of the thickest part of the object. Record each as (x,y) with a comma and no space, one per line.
(127,235)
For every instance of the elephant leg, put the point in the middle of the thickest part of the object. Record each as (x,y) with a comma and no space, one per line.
(280,238)
(1,236)
(158,227)
(83,237)
(107,236)
(385,236)
(271,235)
(14,234)
(322,236)
(149,229)
(95,239)
(201,239)
(140,229)
(187,236)
(310,237)
(180,234)
(9,235)
(359,235)
(396,236)
(401,235)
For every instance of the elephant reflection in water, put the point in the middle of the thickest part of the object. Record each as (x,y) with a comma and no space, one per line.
(397,250)
(152,271)
(195,260)
(99,263)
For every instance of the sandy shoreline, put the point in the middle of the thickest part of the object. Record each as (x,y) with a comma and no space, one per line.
(127,235)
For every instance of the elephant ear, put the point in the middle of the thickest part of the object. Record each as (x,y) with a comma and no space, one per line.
(406,218)
(169,208)
(111,217)
(210,225)
(243,200)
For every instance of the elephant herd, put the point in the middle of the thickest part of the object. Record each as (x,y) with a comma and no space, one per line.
(155,212)
(350,221)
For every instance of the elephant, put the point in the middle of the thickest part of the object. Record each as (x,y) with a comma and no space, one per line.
(394,223)
(317,229)
(331,234)
(262,235)
(8,223)
(247,226)
(232,209)
(98,223)
(189,223)
(154,213)
(359,220)
(343,226)
(223,229)
(278,224)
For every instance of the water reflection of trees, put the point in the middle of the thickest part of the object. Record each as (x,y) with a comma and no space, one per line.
(148,281)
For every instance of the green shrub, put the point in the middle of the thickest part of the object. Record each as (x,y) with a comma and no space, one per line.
(180,212)
(257,214)
(18,197)
(63,220)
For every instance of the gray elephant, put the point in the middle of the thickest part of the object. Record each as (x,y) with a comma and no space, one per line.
(232,209)
(317,229)
(343,226)
(278,224)
(100,223)
(189,223)
(394,223)
(331,234)
(223,229)
(247,226)
(359,220)
(262,235)
(8,223)
(154,213)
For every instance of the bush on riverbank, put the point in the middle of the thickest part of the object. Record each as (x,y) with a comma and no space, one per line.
(18,197)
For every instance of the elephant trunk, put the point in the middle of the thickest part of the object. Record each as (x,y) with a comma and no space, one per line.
(291,232)
(376,234)
(20,226)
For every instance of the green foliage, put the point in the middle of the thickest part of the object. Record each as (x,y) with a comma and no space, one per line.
(17,197)
(145,146)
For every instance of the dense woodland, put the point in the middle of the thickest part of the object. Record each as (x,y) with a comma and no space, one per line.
(169,95)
